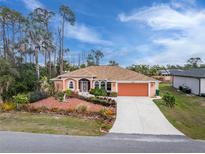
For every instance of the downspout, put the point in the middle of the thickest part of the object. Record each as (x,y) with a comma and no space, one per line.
(199,86)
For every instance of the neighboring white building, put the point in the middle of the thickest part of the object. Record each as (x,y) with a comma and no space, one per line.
(194,79)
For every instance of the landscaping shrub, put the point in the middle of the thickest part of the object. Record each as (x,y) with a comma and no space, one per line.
(105,101)
(7,106)
(68,93)
(43,109)
(100,101)
(106,113)
(36,96)
(98,92)
(54,109)
(60,96)
(81,109)
(169,99)
(113,94)
(20,99)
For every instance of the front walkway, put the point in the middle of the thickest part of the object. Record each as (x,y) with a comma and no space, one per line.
(140,115)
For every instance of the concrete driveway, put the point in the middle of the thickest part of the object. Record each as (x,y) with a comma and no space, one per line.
(140,115)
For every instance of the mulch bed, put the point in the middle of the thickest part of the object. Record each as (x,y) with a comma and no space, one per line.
(71,103)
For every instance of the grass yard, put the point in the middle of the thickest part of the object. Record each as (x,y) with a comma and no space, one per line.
(48,123)
(188,115)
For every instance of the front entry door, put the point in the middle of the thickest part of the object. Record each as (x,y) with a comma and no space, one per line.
(84,86)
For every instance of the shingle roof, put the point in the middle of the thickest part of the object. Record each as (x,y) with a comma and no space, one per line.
(108,73)
(199,73)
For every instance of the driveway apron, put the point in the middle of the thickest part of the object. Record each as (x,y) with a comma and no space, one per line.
(140,115)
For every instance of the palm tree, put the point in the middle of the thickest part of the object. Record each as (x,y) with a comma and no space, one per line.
(67,16)
(4,19)
(36,33)
(98,55)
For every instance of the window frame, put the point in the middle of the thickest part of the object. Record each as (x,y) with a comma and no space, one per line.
(109,90)
(69,83)
(98,84)
(105,85)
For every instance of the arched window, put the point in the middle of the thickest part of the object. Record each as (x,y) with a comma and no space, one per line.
(102,85)
(97,84)
(71,85)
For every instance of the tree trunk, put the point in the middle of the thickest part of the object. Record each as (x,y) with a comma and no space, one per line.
(62,47)
(4,38)
(49,69)
(54,64)
(36,62)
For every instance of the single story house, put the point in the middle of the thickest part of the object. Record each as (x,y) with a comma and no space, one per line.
(193,78)
(112,78)
(164,72)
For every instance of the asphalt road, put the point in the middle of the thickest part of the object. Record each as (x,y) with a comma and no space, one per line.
(28,142)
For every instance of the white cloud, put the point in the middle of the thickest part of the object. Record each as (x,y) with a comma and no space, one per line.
(163,17)
(81,32)
(178,33)
(85,34)
(33,4)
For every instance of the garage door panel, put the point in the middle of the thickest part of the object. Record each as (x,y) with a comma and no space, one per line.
(132,89)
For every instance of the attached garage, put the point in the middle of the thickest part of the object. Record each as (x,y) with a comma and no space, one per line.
(133,89)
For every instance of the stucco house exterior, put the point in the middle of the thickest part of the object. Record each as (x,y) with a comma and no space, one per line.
(194,79)
(113,78)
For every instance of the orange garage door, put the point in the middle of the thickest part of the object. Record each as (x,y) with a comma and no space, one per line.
(132,89)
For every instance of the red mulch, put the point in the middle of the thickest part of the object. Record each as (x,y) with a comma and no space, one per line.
(71,103)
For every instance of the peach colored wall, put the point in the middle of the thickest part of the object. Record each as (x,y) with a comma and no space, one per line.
(132,89)
(113,88)
(152,89)
(58,85)
(66,82)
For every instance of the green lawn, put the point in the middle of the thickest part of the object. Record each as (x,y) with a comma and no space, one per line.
(47,123)
(188,115)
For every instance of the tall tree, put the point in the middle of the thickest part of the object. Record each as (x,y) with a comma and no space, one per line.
(194,62)
(4,18)
(36,34)
(90,60)
(98,54)
(67,16)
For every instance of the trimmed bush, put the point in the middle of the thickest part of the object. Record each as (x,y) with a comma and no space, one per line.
(100,101)
(113,94)
(36,96)
(21,99)
(98,92)
(169,99)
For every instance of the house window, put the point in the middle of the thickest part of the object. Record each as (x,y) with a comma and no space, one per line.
(97,84)
(71,85)
(102,85)
(109,86)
